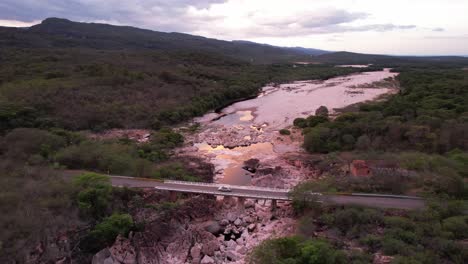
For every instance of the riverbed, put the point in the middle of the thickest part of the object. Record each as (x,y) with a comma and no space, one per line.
(249,129)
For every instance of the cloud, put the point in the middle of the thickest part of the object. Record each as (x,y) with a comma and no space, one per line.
(438,29)
(158,14)
(231,19)
(454,37)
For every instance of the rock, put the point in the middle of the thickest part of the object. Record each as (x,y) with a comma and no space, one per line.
(123,251)
(241,250)
(249,203)
(238,222)
(231,256)
(248,219)
(213,227)
(210,247)
(251,227)
(231,244)
(224,222)
(101,256)
(195,253)
(321,111)
(207,260)
(109,260)
(179,249)
(231,217)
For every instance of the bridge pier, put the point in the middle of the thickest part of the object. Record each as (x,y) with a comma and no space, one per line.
(273,205)
(240,203)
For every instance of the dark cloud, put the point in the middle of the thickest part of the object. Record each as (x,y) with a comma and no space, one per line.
(161,14)
(174,15)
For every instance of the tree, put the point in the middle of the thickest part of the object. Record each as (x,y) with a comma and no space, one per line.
(300,122)
(322,111)
(94,193)
(363,142)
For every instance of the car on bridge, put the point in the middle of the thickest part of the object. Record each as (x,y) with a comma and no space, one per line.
(224,189)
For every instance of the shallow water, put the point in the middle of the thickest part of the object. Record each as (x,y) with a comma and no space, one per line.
(276,108)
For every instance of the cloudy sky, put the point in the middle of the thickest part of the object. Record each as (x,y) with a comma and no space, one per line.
(416,27)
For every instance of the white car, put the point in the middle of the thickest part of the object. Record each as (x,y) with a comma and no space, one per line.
(224,189)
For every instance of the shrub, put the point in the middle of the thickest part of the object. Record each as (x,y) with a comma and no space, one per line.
(321,111)
(174,171)
(457,225)
(21,143)
(372,242)
(392,246)
(105,232)
(300,122)
(285,132)
(399,222)
(94,193)
(295,250)
(313,121)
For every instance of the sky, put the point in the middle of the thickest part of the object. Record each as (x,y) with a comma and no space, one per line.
(400,27)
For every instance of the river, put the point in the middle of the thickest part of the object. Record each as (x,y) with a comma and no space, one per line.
(249,129)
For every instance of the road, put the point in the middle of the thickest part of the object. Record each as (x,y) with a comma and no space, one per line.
(371,200)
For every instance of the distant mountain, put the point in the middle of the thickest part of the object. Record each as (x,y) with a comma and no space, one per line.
(343,57)
(307,51)
(62,33)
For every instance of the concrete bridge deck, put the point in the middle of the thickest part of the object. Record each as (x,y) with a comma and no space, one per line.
(371,200)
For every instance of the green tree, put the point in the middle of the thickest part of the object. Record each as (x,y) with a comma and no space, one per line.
(94,193)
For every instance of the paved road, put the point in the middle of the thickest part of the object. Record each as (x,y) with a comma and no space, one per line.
(190,187)
(380,201)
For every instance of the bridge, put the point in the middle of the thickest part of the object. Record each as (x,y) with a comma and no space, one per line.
(273,194)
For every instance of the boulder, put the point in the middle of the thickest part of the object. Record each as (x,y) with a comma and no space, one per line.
(231,217)
(210,247)
(101,256)
(248,219)
(195,253)
(123,251)
(238,222)
(241,250)
(213,227)
(224,222)
(249,203)
(231,256)
(207,260)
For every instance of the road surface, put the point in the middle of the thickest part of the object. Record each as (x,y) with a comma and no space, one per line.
(371,200)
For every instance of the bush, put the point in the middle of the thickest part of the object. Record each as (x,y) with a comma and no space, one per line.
(174,171)
(372,242)
(105,232)
(300,122)
(313,121)
(21,143)
(295,250)
(285,132)
(392,246)
(94,193)
(457,225)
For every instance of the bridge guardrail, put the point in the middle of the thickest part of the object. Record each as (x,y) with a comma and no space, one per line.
(261,197)
(234,186)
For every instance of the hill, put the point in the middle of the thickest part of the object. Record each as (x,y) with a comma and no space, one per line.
(62,33)
(343,57)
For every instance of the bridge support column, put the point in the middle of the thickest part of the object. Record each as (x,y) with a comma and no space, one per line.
(273,205)
(172,196)
(240,204)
